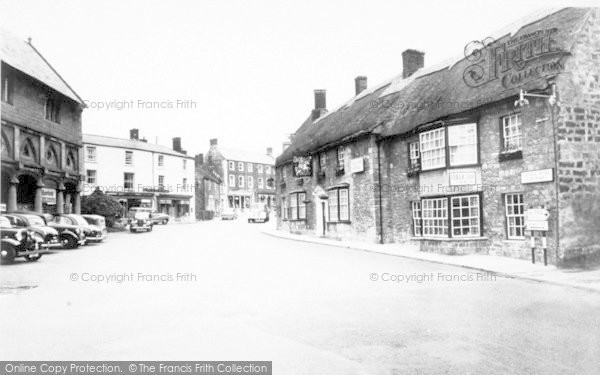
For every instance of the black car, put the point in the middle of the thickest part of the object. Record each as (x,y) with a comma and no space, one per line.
(18,242)
(93,233)
(70,236)
(48,236)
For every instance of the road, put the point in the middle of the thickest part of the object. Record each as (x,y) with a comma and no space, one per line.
(224,291)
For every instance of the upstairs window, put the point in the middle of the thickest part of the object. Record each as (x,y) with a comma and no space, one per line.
(161,160)
(128,181)
(161,182)
(433,149)
(414,156)
(259,168)
(53,109)
(7,88)
(231,166)
(231,180)
(249,167)
(261,184)
(340,158)
(511,133)
(184,164)
(268,169)
(240,181)
(90,154)
(250,182)
(240,166)
(91,176)
(462,144)
(128,157)
(322,161)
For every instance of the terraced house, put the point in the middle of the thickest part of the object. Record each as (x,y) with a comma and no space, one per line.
(451,157)
(41,132)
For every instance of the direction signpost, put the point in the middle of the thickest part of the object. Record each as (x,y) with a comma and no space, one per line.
(536,219)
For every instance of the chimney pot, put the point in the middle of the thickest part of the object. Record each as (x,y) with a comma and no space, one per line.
(360,84)
(320,104)
(412,60)
(199,159)
(134,134)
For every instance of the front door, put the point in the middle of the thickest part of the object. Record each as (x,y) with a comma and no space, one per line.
(321,222)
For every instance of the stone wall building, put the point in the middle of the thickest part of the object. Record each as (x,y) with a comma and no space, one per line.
(209,190)
(451,157)
(248,177)
(41,133)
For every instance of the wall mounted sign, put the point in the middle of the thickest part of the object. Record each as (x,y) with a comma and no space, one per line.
(537,219)
(302,166)
(357,165)
(49,196)
(540,175)
(462,178)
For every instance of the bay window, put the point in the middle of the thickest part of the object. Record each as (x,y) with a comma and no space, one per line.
(416,218)
(433,149)
(454,216)
(435,217)
(465,216)
(462,144)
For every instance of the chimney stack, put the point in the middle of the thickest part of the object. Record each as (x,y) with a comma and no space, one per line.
(134,134)
(360,84)
(320,104)
(213,142)
(177,144)
(412,60)
(270,151)
(199,160)
(285,145)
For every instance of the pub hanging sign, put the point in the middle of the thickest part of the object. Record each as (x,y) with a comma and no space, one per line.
(302,166)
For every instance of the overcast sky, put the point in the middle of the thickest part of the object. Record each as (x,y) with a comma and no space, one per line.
(249,66)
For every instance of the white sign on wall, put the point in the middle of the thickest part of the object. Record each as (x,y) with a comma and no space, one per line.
(357,165)
(536,219)
(540,175)
(49,196)
(462,178)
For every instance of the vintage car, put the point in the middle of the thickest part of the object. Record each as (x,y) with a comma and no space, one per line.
(98,221)
(228,214)
(141,222)
(258,212)
(48,236)
(18,242)
(71,236)
(93,233)
(155,216)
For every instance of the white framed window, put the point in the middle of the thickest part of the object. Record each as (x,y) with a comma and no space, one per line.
(128,180)
(293,206)
(465,216)
(284,208)
(432,145)
(184,184)
(250,182)
(414,155)
(268,169)
(339,204)
(231,166)
(161,160)
(259,168)
(261,183)
(91,176)
(184,164)
(416,217)
(231,180)
(90,154)
(435,217)
(515,216)
(511,133)
(128,157)
(240,181)
(240,166)
(322,161)
(462,144)
(161,182)
(249,167)
(341,154)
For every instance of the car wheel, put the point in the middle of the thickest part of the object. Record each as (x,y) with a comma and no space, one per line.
(7,255)
(33,258)
(150,230)
(165,221)
(132,230)
(70,242)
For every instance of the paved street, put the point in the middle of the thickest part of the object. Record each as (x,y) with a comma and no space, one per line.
(311,309)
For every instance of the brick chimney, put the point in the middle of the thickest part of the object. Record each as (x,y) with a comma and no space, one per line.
(412,60)
(360,84)
(177,144)
(285,145)
(320,104)
(270,151)
(134,134)
(213,142)
(199,160)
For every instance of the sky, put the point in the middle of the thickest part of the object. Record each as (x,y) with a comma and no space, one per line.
(239,71)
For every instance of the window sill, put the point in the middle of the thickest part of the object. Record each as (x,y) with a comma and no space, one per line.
(449,239)
(512,155)
(340,222)
(295,219)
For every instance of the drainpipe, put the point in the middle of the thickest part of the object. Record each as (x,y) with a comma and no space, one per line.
(378,141)
(556,183)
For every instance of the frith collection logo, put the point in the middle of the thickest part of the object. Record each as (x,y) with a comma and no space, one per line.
(515,61)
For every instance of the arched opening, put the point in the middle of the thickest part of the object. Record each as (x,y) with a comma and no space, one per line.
(26,192)
(6,147)
(69,193)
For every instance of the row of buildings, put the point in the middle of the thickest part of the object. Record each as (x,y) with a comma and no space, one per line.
(450,158)
(48,164)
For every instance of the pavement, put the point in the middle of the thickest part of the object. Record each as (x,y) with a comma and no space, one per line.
(587,279)
(223,290)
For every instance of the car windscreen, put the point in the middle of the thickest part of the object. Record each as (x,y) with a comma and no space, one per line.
(79,220)
(4,223)
(35,220)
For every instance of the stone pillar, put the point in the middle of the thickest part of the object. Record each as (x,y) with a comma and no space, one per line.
(37,204)
(11,205)
(67,203)
(77,200)
(60,202)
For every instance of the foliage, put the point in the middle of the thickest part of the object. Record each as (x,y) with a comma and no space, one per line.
(101,204)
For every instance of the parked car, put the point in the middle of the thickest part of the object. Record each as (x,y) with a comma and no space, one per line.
(258,212)
(155,216)
(98,221)
(47,235)
(141,222)
(18,242)
(228,214)
(93,233)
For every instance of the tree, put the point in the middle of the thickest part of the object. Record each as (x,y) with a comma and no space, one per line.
(101,204)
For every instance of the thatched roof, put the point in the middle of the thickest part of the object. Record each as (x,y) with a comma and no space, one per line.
(401,105)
